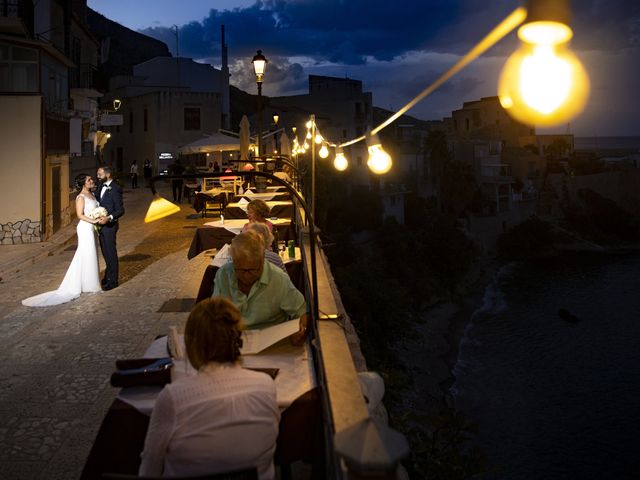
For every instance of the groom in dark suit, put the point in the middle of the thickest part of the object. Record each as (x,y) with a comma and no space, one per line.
(109,194)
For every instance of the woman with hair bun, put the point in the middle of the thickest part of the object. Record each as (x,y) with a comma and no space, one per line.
(222,419)
(82,274)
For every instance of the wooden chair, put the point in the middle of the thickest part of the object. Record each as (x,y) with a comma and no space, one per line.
(214,203)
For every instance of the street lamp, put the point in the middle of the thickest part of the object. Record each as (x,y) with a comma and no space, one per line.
(259,65)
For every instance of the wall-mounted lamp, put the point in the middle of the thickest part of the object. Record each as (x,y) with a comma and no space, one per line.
(117,104)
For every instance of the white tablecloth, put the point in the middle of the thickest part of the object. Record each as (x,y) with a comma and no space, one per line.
(296,375)
(235,225)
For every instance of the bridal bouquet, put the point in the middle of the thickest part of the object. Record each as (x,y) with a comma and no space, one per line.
(96,213)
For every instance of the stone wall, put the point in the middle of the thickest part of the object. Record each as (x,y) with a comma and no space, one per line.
(25,231)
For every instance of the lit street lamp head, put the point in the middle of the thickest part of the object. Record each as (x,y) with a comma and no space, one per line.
(259,65)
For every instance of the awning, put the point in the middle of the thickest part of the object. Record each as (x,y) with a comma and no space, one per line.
(217,142)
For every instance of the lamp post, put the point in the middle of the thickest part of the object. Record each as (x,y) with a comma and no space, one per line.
(259,65)
(313,167)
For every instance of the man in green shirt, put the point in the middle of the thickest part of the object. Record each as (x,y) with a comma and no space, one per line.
(263,293)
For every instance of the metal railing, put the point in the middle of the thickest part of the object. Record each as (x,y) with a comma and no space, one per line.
(381,443)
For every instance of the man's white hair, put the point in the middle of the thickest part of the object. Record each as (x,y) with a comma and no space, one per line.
(248,246)
(263,230)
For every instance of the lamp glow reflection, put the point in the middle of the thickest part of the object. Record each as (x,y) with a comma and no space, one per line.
(543,82)
(160,208)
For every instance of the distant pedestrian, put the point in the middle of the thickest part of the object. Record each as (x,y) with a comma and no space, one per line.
(176,168)
(216,167)
(133,171)
(147,170)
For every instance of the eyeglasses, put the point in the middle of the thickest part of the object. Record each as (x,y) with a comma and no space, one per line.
(248,271)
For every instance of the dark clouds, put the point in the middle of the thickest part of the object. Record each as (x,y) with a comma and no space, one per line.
(373,39)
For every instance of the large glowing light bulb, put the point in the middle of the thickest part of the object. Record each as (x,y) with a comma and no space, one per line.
(323,152)
(319,139)
(379,161)
(340,163)
(543,82)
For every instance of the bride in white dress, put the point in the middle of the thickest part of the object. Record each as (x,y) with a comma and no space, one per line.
(82,275)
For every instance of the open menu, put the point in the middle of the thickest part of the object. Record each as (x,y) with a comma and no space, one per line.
(254,341)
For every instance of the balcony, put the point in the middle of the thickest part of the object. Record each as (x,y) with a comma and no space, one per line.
(16,17)
(497,173)
(83,77)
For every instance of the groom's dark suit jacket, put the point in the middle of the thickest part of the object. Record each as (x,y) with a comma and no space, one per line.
(111,200)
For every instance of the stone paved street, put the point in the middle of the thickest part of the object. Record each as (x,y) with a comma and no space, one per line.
(56,361)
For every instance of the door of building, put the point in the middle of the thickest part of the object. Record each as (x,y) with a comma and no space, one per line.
(119,160)
(55,198)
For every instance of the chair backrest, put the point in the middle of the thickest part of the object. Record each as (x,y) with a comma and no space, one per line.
(210,183)
(246,474)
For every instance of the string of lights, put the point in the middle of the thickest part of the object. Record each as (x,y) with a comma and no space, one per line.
(541,83)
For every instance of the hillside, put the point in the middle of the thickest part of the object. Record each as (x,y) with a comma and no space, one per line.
(126,48)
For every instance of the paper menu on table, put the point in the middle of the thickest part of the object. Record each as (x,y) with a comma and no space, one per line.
(222,257)
(254,341)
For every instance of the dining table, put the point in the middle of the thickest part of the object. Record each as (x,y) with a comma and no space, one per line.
(120,438)
(220,232)
(279,209)
(266,196)
(213,195)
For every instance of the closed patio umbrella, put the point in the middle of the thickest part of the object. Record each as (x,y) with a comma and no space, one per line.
(244,138)
(285,146)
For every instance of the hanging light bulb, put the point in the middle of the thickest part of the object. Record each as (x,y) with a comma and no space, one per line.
(543,82)
(308,137)
(340,162)
(308,124)
(305,145)
(379,161)
(324,151)
(319,139)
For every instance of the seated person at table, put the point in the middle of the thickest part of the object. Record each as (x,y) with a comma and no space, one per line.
(258,211)
(267,239)
(263,293)
(222,419)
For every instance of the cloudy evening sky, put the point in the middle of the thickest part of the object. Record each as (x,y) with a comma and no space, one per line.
(395,47)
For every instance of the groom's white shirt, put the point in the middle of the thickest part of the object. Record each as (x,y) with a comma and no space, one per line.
(104,189)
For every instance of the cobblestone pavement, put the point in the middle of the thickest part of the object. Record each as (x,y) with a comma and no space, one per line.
(56,361)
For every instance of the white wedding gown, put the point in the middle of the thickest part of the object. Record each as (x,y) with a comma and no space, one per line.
(82,275)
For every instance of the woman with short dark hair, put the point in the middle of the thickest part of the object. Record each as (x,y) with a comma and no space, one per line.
(222,419)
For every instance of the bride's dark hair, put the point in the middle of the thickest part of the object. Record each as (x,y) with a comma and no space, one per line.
(80,180)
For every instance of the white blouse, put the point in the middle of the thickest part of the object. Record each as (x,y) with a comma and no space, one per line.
(224,418)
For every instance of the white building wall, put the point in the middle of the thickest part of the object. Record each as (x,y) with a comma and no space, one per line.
(20,169)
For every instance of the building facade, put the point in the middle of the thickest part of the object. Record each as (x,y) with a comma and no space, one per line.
(37,73)
(167,103)
(343,112)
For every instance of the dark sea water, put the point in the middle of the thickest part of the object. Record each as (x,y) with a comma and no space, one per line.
(607,143)
(552,399)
